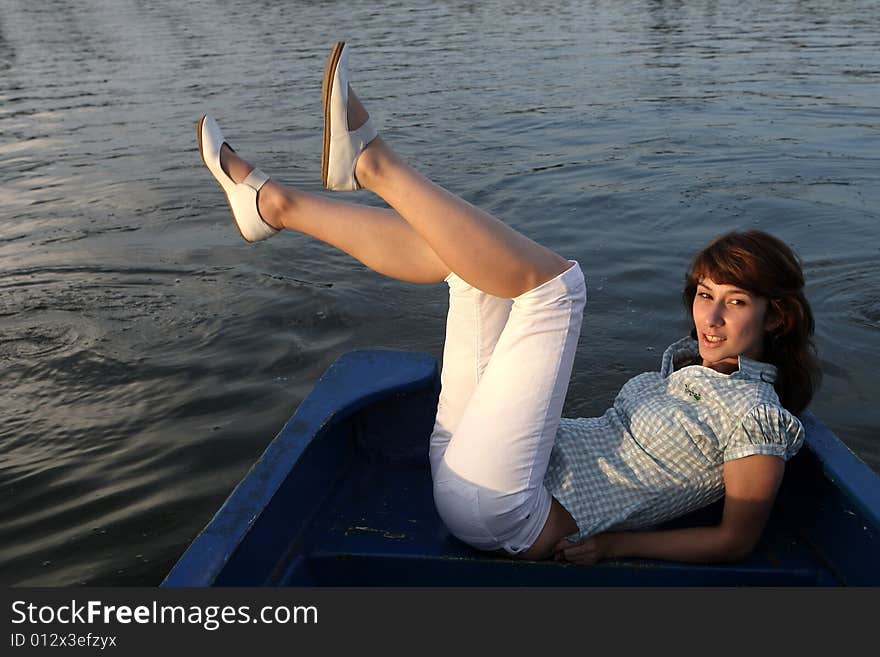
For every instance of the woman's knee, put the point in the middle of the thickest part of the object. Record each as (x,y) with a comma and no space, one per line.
(568,286)
(575,281)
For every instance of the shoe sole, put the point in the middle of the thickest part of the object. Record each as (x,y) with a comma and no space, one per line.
(326,88)
(228,201)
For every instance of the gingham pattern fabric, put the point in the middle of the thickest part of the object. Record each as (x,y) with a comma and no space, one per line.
(658,452)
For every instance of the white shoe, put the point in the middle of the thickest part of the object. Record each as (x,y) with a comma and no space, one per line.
(242,196)
(341,146)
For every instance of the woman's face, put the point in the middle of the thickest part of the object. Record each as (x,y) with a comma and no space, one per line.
(730,322)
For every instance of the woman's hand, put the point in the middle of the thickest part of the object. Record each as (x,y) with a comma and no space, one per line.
(750,484)
(586,551)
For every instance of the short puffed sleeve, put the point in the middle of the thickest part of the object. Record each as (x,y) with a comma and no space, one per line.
(765,429)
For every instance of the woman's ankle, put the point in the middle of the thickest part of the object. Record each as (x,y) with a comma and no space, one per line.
(233,165)
(366,168)
(275,204)
(372,162)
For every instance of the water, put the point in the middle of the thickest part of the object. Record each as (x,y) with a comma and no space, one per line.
(148,355)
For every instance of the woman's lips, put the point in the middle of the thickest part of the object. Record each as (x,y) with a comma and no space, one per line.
(712,341)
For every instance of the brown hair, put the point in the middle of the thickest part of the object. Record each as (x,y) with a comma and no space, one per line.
(767,267)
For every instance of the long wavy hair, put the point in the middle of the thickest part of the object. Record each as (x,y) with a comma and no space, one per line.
(766,267)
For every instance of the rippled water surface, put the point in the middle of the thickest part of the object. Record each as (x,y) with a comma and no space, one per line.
(148,355)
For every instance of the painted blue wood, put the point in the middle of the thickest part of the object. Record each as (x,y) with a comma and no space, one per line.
(264,512)
(342,497)
(834,499)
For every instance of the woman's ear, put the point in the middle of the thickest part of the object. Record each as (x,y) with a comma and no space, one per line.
(773,320)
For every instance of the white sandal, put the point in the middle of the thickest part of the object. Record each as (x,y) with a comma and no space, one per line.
(341,146)
(242,196)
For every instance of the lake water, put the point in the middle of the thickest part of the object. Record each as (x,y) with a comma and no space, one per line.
(148,355)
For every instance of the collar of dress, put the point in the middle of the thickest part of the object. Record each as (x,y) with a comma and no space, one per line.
(688,348)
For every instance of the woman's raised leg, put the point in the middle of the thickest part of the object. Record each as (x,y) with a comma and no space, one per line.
(482,250)
(377,237)
(479,248)
(488,476)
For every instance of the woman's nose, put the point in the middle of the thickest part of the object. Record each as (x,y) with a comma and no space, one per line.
(714,317)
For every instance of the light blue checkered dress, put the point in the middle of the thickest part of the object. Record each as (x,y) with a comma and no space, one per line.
(658,452)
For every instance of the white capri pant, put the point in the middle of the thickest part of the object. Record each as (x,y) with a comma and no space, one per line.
(506,368)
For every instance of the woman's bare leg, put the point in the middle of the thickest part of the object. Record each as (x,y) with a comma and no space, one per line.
(377,237)
(480,249)
(483,251)
(432,233)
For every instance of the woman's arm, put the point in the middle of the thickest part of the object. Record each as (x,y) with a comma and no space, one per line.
(750,485)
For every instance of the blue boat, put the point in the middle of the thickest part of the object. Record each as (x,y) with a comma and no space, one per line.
(343,497)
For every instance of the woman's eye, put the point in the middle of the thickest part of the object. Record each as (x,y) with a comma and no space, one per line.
(704,295)
(738,302)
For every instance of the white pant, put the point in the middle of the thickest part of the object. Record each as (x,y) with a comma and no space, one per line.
(506,368)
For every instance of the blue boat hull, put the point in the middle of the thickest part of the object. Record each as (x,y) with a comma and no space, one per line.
(342,497)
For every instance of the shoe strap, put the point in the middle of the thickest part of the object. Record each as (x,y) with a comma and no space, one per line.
(363,135)
(255,179)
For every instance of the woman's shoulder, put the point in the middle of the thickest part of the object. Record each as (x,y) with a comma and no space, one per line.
(765,428)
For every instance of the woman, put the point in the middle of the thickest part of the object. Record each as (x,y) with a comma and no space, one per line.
(509,474)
